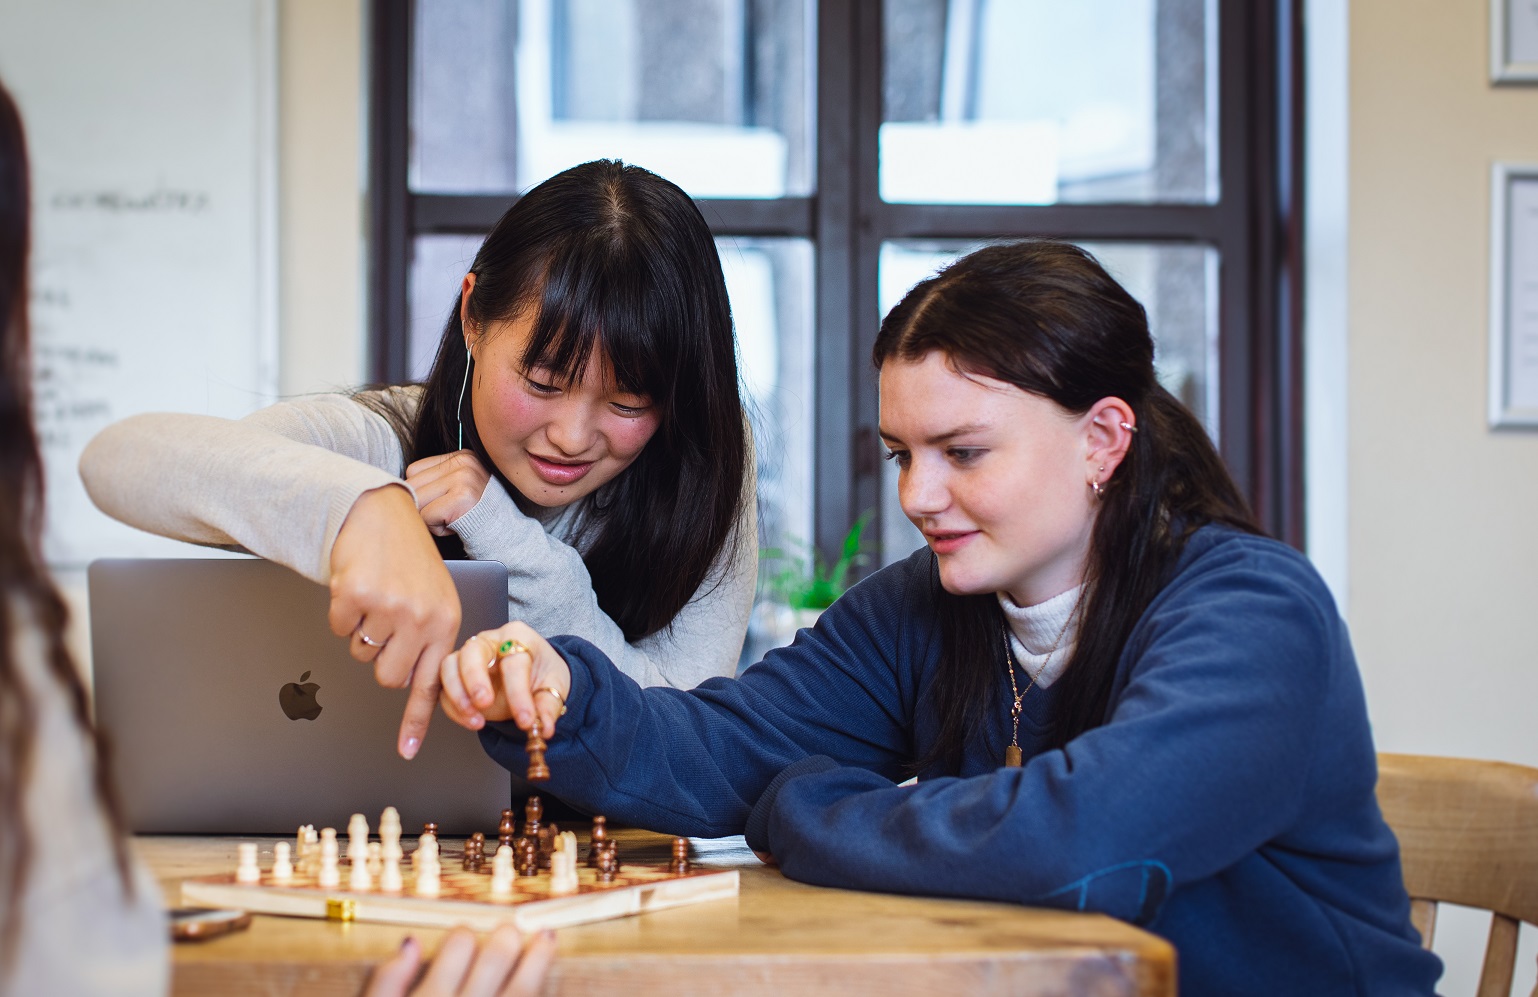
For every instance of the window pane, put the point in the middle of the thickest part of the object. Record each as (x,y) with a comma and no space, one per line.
(1040,101)
(1177,285)
(770,283)
(438,264)
(715,95)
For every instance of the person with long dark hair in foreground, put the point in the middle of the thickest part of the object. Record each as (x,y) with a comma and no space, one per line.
(78,915)
(582,424)
(1115,693)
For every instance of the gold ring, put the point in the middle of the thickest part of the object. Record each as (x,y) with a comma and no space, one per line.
(512,647)
(487,641)
(552,690)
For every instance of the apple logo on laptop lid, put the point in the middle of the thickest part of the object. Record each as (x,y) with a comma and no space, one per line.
(298,701)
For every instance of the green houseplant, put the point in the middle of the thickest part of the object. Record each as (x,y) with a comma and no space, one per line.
(803,580)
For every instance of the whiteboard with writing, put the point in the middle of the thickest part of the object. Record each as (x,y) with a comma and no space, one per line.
(151,128)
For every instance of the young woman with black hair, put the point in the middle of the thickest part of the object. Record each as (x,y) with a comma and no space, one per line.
(581,424)
(1116,694)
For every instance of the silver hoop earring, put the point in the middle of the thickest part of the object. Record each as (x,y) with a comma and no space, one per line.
(1127,426)
(459,410)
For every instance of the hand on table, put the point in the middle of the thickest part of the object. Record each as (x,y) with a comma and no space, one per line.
(447,486)
(394,599)
(481,683)
(504,965)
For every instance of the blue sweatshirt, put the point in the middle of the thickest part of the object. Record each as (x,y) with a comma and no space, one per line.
(1227,804)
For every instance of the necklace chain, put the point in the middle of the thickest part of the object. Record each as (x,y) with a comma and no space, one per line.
(1012,753)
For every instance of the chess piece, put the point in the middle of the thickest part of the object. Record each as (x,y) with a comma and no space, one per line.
(357,838)
(502,872)
(608,862)
(474,852)
(507,829)
(282,867)
(375,859)
(431,827)
(535,747)
(390,871)
(680,861)
(311,849)
(246,869)
(527,855)
(563,865)
(329,874)
(429,872)
(549,834)
(362,877)
(596,842)
(302,847)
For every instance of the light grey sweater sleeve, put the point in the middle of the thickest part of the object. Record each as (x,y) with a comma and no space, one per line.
(278,482)
(549,588)
(281,481)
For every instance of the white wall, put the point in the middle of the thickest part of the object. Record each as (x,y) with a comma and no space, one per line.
(1443,545)
(321,194)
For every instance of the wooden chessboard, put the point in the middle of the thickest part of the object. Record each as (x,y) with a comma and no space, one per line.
(464,897)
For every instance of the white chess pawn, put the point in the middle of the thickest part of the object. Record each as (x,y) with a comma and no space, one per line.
(502,874)
(563,865)
(282,868)
(390,871)
(311,849)
(375,859)
(362,878)
(357,838)
(428,876)
(300,840)
(246,869)
(330,874)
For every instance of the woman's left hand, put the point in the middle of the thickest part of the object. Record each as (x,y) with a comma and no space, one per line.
(447,486)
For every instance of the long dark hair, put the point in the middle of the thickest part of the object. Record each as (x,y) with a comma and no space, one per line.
(27,594)
(1046,317)
(614,259)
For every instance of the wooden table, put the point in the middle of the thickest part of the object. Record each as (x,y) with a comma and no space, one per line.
(777,937)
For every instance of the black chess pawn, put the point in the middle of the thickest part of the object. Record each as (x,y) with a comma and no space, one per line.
(680,862)
(596,842)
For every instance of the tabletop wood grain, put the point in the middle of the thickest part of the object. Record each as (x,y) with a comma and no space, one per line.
(776,937)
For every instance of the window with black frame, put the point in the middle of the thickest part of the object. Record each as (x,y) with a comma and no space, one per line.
(842,151)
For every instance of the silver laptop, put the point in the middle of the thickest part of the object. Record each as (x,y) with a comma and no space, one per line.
(234,709)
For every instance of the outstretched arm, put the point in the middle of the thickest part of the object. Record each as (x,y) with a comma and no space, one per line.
(312,484)
(694,762)
(1205,758)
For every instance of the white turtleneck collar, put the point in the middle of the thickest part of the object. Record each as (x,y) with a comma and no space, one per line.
(1037,627)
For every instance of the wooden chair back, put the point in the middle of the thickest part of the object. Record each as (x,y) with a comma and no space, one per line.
(1468,834)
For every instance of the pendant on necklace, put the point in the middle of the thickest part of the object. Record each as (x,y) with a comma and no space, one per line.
(1012,756)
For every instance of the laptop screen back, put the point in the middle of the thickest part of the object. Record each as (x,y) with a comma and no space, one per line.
(233,709)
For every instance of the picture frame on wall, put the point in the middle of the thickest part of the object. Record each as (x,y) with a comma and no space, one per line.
(1514,296)
(1514,41)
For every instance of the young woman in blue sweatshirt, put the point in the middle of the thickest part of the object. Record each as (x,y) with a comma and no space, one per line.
(1117,695)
